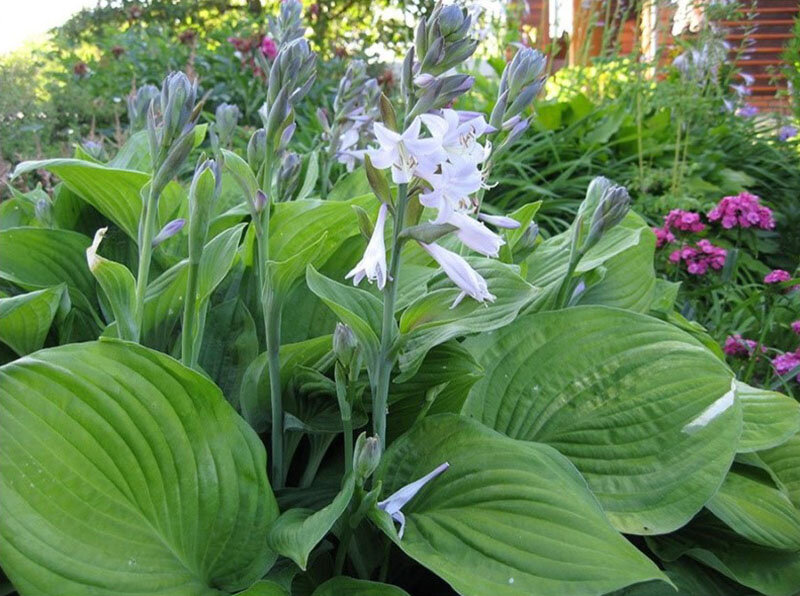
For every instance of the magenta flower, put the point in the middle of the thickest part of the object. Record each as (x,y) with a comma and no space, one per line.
(269,48)
(787,362)
(736,345)
(777,276)
(663,236)
(796,327)
(744,210)
(700,257)
(685,221)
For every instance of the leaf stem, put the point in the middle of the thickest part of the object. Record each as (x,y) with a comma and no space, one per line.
(385,362)
(188,342)
(147,230)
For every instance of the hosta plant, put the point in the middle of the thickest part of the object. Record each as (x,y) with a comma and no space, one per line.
(228,385)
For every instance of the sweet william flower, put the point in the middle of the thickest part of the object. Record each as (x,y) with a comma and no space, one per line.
(777,276)
(373,264)
(460,273)
(796,327)
(406,154)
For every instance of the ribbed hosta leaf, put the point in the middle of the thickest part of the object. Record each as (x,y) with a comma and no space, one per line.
(756,510)
(124,472)
(507,518)
(25,319)
(643,410)
(37,258)
(782,463)
(768,418)
(769,571)
(113,192)
(430,321)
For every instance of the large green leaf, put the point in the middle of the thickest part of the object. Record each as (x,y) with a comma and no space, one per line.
(265,588)
(644,411)
(430,320)
(769,418)
(37,258)
(297,531)
(783,465)
(440,385)
(25,319)
(691,579)
(769,571)
(756,510)
(348,586)
(507,518)
(122,471)
(113,192)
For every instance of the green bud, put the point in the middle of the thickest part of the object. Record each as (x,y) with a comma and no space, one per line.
(171,165)
(227,117)
(257,149)
(203,193)
(427,232)
(289,176)
(450,19)
(611,209)
(139,104)
(345,344)
(178,95)
(366,456)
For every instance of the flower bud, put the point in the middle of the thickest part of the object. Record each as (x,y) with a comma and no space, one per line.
(345,344)
(450,19)
(168,231)
(178,153)
(257,149)
(289,176)
(178,95)
(138,105)
(44,211)
(260,201)
(203,193)
(288,26)
(366,456)
(227,117)
(611,210)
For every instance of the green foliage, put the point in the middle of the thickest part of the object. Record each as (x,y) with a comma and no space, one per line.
(562,429)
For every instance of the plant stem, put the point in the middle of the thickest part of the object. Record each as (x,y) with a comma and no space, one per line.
(147,229)
(273,336)
(381,394)
(188,343)
(344,387)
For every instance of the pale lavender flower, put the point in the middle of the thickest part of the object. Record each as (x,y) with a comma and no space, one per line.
(451,188)
(348,155)
(501,221)
(475,235)
(373,264)
(460,273)
(458,137)
(747,78)
(395,502)
(404,153)
(748,111)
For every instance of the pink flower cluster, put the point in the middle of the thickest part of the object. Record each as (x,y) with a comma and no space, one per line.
(677,219)
(736,345)
(796,327)
(700,257)
(777,276)
(787,362)
(744,210)
(685,221)
(247,46)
